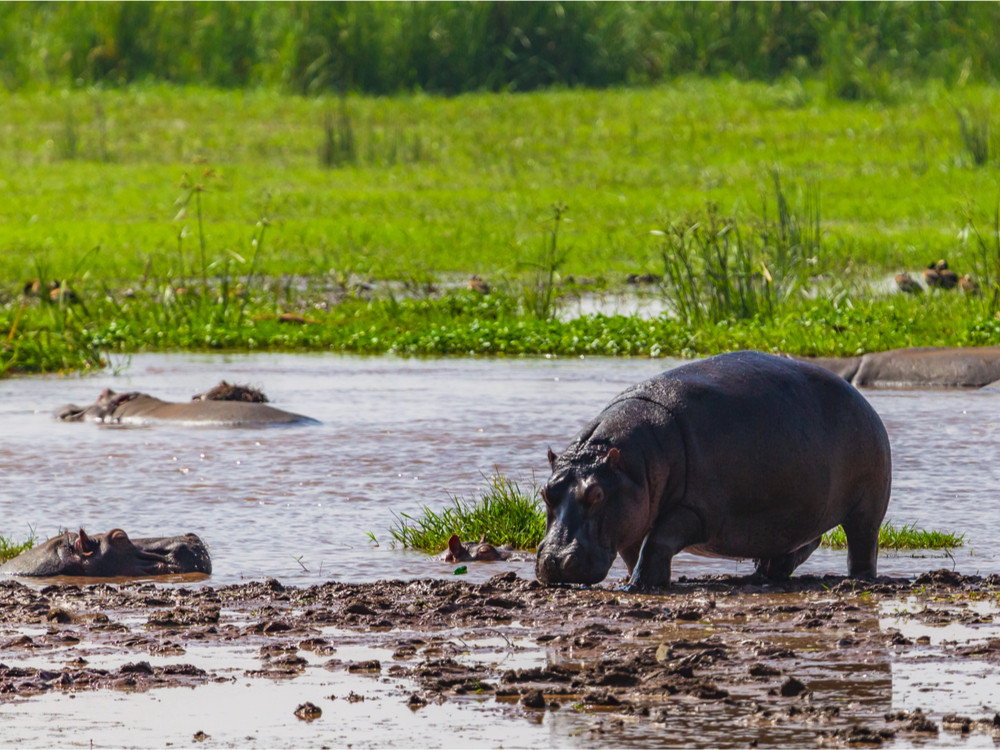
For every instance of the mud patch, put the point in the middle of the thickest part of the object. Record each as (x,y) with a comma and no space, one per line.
(712,662)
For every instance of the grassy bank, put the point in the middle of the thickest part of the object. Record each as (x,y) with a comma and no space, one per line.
(191,219)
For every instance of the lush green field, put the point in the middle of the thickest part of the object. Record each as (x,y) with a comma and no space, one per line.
(102,190)
(465,184)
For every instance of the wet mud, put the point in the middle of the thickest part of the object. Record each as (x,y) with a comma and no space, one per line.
(718,661)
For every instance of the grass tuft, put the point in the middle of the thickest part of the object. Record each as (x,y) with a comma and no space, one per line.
(504,513)
(10,549)
(900,537)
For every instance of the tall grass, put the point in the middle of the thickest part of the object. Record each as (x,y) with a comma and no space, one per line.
(723,268)
(451,47)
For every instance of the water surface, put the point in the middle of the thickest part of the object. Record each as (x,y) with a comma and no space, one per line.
(298,503)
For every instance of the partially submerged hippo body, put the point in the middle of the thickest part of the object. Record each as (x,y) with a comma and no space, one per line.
(141,408)
(928,367)
(743,455)
(111,555)
(481,551)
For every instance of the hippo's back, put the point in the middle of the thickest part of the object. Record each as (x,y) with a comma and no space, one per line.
(775,449)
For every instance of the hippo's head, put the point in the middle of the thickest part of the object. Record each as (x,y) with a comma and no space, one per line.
(99,411)
(111,555)
(592,510)
(481,551)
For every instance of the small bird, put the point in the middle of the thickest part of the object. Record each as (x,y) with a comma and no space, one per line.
(476,284)
(969,285)
(908,284)
(938,274)
(59,293)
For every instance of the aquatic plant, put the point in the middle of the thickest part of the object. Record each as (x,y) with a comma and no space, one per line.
(10,549)
(503,512)
(907,536)
(724,268)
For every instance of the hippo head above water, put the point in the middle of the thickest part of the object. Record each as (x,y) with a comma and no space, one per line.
(111,555)
(481,551)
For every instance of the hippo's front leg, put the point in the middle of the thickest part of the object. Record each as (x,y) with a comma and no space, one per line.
(673,532)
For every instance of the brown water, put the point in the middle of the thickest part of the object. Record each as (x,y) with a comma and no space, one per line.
(397,435)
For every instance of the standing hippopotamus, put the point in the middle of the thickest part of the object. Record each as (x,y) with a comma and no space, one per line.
(743,455)
(141,408)
(111,555)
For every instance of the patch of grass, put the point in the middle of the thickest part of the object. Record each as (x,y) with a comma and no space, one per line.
(900,537)
(10,549)
(503,512)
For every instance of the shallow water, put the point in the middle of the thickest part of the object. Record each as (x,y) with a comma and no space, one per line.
(297,503)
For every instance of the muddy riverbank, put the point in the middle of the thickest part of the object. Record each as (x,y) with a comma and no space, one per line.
(717,661)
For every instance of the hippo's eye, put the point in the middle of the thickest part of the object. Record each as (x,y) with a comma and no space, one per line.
(592,496)
(545,497)
(118,538)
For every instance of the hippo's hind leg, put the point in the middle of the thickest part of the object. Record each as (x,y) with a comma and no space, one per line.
(861,528)
(780,568)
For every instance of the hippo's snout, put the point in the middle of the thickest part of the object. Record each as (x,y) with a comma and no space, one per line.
(572,563)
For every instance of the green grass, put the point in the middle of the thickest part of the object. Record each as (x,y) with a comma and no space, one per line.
(10,549)
(503,512)
(155,188)
(900,537)
(624,162)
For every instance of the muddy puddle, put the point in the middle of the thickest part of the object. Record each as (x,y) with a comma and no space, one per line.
(474,660)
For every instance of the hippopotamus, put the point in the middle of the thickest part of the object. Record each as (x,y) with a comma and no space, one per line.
(743,455)
(929,366)
(141,408)
(111,555)
(481,551)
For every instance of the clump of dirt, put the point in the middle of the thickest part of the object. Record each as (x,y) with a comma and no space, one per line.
(804,661)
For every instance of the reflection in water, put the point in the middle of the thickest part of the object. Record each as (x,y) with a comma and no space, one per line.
(398,435)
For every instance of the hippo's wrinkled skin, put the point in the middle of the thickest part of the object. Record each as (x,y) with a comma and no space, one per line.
(111,555)
(926,367)
(743,455)
(141,408)
(481,551)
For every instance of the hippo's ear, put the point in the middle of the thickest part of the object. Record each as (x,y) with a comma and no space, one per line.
(552,459)
(614,458)
(84,544)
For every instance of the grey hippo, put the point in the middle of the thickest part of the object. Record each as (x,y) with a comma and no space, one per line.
(111,555)
(141,408)
(920,367)
(743,455)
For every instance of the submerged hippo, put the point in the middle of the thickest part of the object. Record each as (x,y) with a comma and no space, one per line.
(481,551)
(742,455)
(140,408)
(111,555)
(930,366)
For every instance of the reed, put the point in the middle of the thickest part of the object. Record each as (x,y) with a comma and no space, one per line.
(450,47)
